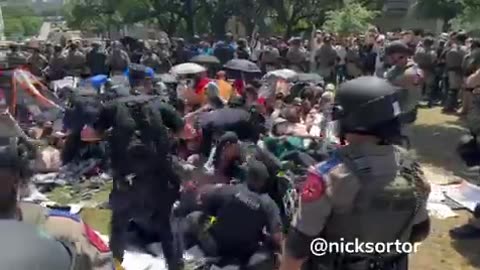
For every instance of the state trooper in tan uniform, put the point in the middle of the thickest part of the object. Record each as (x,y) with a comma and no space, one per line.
(408,78)
(454,61)
(296,55)
(426,58)
(326,59)
(75,60)
(118,59)
(369,190)
(91,251)
(88,249)
(57,64)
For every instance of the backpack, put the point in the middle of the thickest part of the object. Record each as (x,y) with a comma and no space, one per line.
(141,134)
(142,140)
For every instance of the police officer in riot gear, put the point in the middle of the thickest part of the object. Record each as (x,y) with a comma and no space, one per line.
(367,191)
(139,128)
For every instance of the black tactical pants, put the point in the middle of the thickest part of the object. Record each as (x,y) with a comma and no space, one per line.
(73,144)
(138,221)
(197,234)
(455,81)
(451,102)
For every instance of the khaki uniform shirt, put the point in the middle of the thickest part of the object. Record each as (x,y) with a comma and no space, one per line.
(337,192)
(92,252)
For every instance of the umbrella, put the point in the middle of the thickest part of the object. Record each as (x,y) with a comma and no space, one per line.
(286,74)
(310,77)
(187,68)
(166,78)
(242,65)
(205,60)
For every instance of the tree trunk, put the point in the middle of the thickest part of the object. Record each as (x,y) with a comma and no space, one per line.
(190,19)
(446,24)
(218,23)
(172,25)
(288,30)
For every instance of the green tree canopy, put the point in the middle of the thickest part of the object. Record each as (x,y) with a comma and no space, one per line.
(13,27)
(468,20)
(21,21)
(210,15)
(439,9)
(31,25)
(353,17)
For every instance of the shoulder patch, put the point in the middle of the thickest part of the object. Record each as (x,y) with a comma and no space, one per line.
(313,188)
(64,214)
(95,239)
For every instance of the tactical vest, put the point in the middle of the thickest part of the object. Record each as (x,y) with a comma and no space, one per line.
(118,62)
(270,55)
(85,106)
(425,59)
(454,58)
(408,99)
(140,134)
(142,146)
(383,210)
(242,205)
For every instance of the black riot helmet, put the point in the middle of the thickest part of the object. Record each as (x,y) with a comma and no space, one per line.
(368,105)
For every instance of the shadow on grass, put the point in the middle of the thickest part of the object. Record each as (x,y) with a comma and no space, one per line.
(469,250)
(436,145)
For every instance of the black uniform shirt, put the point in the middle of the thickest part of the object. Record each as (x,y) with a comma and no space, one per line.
(241,216)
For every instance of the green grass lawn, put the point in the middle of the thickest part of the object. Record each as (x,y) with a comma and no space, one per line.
(99,219)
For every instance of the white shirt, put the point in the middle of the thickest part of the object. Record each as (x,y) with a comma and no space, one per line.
(342,53)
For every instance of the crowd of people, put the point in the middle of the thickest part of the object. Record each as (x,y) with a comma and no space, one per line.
(250,168)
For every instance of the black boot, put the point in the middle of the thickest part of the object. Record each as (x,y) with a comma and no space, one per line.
(451,103)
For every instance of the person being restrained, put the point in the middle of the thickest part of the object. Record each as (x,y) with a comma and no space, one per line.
(231,223)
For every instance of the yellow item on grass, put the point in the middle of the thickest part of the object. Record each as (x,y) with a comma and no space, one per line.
(118,265)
